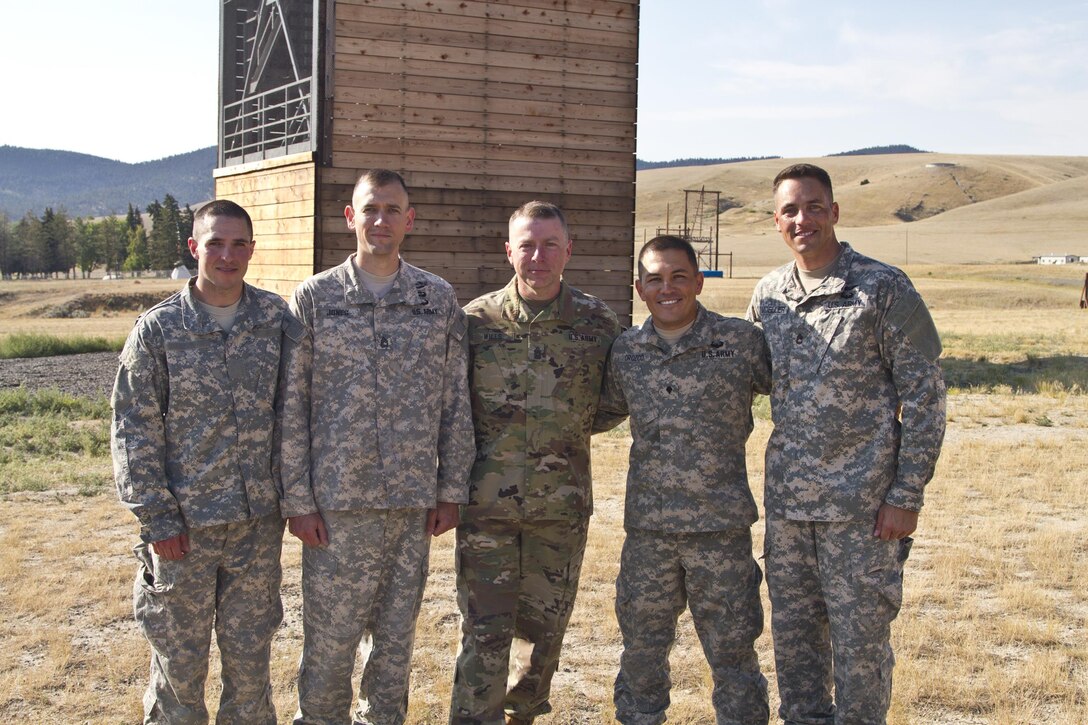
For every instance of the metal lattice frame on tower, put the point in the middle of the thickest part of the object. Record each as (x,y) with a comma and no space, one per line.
(268,79)
(701,229)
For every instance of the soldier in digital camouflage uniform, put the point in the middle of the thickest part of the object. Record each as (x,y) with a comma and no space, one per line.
(538,351)
(858,404)
(192,437)
(377,446)
(688,377)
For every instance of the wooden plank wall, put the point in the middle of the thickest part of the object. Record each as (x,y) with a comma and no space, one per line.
(279,196)
(483,106)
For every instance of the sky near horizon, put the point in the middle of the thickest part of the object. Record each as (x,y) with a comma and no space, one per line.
(135,80)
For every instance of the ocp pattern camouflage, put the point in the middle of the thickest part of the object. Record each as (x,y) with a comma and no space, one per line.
(535,384)
(194,412)
(845,357)
(691,414)
(384,390)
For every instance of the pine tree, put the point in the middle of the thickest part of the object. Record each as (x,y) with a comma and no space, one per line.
(185,232)
(30,244)
(111,235)
(58,253)
(164,245)
(138,254)
(6,247)
(86,238)
(132,219)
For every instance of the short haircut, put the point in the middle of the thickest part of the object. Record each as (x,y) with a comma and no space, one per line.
(805,171)
(664,242)
(377,178)
(541,210)
(223,208)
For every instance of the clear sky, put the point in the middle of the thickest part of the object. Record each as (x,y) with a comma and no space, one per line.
(137,80)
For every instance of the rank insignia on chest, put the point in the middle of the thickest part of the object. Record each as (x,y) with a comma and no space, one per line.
(384,343)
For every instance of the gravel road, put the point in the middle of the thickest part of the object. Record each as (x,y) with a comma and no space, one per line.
(89,375)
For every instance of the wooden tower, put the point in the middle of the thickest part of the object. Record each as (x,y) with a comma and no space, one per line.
(480,105)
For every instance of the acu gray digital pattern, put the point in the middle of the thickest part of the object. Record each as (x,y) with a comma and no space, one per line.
(845,358)
(193,440)
(193,446)
(379,416)
(835,591)
(691,415)
(377,424)
(230,577)
(688,513)
(858,404)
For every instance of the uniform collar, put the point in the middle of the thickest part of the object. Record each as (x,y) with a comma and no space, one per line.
(647,335)
(561,308)
(410,287)
(833,284)
(251,313)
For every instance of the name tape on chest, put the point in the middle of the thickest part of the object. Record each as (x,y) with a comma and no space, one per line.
(772,307)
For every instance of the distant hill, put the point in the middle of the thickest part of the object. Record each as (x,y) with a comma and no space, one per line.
(947,208)
(641,165)
(878,150)
(85,185)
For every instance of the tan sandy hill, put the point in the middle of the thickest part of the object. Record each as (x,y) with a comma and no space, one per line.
(905,208)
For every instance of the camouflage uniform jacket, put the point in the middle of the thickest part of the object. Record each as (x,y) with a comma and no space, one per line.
(536,383)
(691,414)
(194,413)
(846,358)
(378,415)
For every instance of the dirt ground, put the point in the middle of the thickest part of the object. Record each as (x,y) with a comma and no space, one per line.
(89,375)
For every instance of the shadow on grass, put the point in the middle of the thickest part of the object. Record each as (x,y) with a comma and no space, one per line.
(1061,373)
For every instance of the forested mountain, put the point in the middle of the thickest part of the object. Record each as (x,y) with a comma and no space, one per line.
(85,185)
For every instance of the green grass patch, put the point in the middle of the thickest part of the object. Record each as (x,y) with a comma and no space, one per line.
(49,439)
(33,345)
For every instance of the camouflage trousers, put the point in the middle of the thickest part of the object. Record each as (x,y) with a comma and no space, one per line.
(713,573)
(229,580)
(516,582)
(835,590)
(367,583)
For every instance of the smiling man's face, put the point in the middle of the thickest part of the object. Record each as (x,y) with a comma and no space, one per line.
(805,216)
(668,283)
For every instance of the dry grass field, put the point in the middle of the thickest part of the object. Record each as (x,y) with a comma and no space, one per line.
(994,623)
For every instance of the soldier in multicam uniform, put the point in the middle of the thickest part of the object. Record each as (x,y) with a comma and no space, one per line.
(688,377)
(538,354)
(377,447)
(858,404)
(192,437)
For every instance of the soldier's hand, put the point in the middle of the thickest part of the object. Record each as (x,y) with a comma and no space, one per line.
(310,529)
(894,523)
(172,549)
(443,518)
